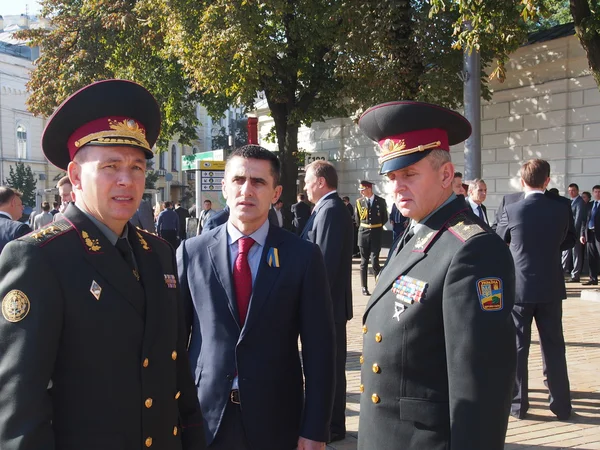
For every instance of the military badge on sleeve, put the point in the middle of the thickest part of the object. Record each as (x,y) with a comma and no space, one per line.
(490,294)
(15,306)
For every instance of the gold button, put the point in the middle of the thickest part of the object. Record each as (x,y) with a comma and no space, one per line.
(177,395)
(378,337)
(174,355)
(148,442)
(365,329)
(148,402)
(175,430)
(361,388)
(146,362)
(375,398)
(361,359)
(376,368)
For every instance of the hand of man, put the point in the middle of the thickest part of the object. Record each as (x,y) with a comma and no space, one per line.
(307,444)
(582,240)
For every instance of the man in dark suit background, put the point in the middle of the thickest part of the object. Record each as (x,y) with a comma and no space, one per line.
(573,258)
(301,213)
(537,229)
(251,289)
(477,193)
(590,236)
(330,227)
(92,338)
(219,218)
(355,250)
(183,214)
(11,210)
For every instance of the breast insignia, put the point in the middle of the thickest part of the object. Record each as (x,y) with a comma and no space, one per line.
(463,227)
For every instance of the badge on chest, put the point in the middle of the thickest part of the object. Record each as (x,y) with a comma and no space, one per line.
(408,290)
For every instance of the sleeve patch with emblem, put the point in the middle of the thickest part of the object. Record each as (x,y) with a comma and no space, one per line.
(490,294)
(15,306)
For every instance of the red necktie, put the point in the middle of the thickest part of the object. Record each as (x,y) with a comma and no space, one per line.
(242,277)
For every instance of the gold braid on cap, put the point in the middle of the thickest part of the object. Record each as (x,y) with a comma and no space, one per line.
(125,132)
(391,149)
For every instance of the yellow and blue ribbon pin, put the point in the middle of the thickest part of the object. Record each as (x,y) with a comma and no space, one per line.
(273,257)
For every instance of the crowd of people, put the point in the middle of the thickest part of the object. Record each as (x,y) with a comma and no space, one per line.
(110,338)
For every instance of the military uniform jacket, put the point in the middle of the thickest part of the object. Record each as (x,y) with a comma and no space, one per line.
(438,361)
(375,215)
(113,349)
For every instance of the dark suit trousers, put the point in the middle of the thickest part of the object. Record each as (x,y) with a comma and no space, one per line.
(338,417)
(170,236)
(548,319)
(231,434)
(369,242)
(593,251)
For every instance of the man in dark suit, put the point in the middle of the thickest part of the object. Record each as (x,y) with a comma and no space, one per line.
(477,193)
(330,227)
(590,236)
(219,218)
(251,289)
(93,353)
(438,359)
(11,209)
(537,229)
(573,257)
(371,214)
(183,214)
(301,213)
(355,250)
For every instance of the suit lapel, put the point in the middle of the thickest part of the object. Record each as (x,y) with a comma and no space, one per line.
(219,255)
(104,257)
(265,278)
(308,226)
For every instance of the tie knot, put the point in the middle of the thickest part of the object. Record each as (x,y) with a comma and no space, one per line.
(245,244)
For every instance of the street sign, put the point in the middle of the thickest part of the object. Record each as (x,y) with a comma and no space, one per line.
(315,156)
(188,162)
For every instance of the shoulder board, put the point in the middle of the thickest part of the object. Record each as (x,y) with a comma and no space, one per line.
(48,232)
(463,227)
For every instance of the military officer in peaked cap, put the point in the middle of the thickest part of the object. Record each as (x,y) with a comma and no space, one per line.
(370,214)
(92,341)
(438,357)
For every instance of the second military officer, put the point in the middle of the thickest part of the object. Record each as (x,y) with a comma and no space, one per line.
(438,340)
(92,339)
(371,214)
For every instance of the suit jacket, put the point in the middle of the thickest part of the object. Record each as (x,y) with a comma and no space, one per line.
(596,220)
(273,220)
(301,213)
(287,301)
(579,212)
(143,217)
(217,219)
(113,348)
(439,358)
(536,227)
(330,227)
(506,200)
(11,230)
(183,214)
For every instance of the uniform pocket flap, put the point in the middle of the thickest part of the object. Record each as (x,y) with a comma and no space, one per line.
(428,412)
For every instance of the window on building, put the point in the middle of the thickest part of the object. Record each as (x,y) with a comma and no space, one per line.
(21,142)
(162,160)
(174,158)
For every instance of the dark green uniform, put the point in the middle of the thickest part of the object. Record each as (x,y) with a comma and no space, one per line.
(112,348)
(370,222)
(438,357)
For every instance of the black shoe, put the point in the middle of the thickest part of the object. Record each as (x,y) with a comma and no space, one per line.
(366,291)
(590,283)
(566,416)
(573,280)
(518,415)
(337,437)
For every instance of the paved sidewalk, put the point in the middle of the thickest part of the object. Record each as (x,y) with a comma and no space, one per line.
(541,430)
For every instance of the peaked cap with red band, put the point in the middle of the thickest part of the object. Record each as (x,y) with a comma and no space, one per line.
(105,113)
(407,131)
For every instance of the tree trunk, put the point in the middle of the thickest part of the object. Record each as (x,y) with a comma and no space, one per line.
(588,37)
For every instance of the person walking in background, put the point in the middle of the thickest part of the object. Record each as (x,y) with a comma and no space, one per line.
(573,257)
(167,225)
(330,227)
(590,236)
(537,230)
(183,214)
(43,218)
(355,250)
(371,214)
(477,193)
(11,209)
(300,214)
(206,214)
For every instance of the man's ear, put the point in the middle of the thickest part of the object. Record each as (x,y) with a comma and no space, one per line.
(277,194)
(74,172)
(447,173)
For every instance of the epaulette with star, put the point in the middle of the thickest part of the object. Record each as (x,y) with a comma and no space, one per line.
(44,234)
(463,227)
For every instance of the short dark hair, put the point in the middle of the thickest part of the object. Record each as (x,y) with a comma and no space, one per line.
(345,197)
(596,187)
(167,204)
(45,206)
(279,201)
(574,185)
(301,197)
(535,172)
(458,174)
(55,204)
(326,170)
(253,151)
(553,191)
(586,193)
(7,194)
(207,201)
